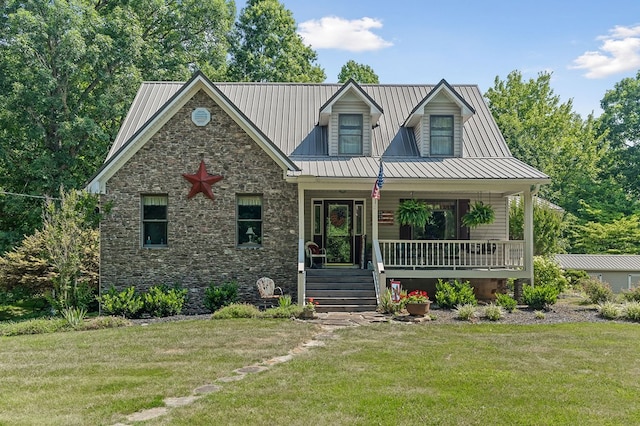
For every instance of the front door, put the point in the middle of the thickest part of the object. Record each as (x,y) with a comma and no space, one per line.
(339,231)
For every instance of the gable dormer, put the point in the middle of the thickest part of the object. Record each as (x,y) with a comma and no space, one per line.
(349,115)
(437,122)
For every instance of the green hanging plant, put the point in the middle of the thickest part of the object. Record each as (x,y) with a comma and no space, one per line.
(413,212)
(478,214)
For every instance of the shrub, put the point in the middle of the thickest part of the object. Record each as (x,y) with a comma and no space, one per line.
(574,276)
(125,303)
(597,292)
(284,301)
(633,295)
(540,296)
(101,322)
(450,294)
(236,310)
(493,312)
(34,326)
(506,301)
(466,312)
(282,312)
(631,311)
(609,310)
(74,316)
(539,315)
(216,297)
(387,305)
(161,301)
(547,272)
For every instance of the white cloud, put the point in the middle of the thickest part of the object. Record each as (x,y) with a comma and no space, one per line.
(619,52)
(332,32)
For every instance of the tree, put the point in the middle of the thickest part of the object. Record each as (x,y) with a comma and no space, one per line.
(618,237)
(68,72)
(547,134)
(266,47)
(548,227)
(62,258)
(359,72)
(620,125)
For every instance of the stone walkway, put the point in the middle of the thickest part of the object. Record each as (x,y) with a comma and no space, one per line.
(328,323)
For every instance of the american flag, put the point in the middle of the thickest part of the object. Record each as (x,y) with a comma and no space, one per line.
(375,193)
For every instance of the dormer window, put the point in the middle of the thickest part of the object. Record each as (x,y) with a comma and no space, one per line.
(441,135)
(350,134)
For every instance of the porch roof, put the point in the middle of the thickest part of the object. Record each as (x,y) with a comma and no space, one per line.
(424,168)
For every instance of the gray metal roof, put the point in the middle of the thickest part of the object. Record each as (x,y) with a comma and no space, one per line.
(600,262)
(287,113)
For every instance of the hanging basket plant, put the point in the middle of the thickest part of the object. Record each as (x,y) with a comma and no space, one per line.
(478,214)
(414,213)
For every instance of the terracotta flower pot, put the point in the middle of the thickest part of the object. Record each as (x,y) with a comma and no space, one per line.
(418,309)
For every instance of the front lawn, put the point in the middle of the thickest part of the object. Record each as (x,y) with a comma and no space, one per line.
(586,373)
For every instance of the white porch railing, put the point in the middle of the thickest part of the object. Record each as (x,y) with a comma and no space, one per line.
(452,254)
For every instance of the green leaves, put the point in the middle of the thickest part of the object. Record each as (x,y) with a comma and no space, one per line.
(359,72)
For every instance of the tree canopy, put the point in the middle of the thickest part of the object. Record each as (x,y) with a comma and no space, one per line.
(620,125)
(266,47)
(359,72)
(68,72)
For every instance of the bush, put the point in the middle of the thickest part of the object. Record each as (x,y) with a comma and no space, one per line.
(161,301)
(547,272)
(237,310)
(574,276)
(34,326)
(539,315)
(597,292)
(493,312)
(631,311)
(126,303)
(540,296)
(74,316)
(285,301)
(216,297)
(282,312)
(506,301)
(633,295)
(609,310)
(466,312)
(387,305)
(101,322)
(451,294)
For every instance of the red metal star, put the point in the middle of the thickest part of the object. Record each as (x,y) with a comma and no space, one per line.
(202,181)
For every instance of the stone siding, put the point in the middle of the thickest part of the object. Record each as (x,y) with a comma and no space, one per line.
(201,245)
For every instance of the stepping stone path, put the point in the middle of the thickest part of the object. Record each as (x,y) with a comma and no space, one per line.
(328,322)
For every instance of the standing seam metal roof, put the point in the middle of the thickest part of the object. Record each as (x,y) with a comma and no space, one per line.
(287,113)
(600,262)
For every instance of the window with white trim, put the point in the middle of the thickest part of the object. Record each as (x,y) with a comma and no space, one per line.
(441,135)
(350,134)
(154,220)
(249,220)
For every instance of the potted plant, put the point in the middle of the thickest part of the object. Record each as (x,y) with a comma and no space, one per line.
(416,302)
(478,214)
(309,309)
(414,213)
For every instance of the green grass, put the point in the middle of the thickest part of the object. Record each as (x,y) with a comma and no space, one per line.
(389,374)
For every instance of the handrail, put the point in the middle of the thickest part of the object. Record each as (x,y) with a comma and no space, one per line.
(302,275)
(378,269)
(453,254)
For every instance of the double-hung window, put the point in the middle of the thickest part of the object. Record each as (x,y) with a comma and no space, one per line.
(154,220)
(441,135)
(249,220)
(350,134)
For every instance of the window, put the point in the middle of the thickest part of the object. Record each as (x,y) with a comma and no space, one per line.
(350,134)
(249,219)
(441,135)
(154,220)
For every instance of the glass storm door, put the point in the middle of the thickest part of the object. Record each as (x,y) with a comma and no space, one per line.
(338,235)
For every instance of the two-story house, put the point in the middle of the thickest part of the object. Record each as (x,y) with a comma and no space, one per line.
(213,182)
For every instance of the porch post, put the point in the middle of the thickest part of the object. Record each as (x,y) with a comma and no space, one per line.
(301,255)
(527,198)
(374,219)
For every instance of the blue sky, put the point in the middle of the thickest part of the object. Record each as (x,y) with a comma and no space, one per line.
(587,45)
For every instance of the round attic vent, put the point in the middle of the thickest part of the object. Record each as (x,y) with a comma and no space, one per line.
(200,116)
